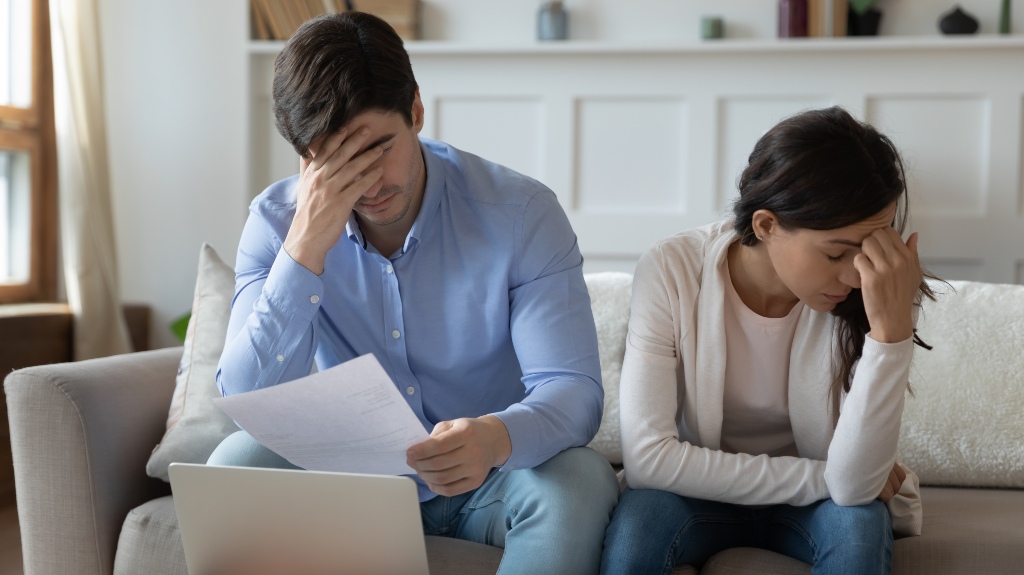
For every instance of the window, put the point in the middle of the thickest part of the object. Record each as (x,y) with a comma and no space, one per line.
(27,154)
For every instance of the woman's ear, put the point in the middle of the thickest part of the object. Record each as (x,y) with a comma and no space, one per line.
(764,223)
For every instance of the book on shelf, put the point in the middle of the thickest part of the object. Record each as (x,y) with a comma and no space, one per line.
(826,18)
(279,19)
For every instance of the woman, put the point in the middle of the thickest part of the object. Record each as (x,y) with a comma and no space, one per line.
(767,362)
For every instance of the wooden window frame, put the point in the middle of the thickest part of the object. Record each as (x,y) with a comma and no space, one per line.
(32,130)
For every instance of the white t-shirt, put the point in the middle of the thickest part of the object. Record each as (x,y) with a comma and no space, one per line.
(756,402)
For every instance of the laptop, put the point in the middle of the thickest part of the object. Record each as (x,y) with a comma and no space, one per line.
(272,521)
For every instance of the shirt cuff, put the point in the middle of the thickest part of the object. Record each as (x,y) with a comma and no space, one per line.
(522,433)
(294,288)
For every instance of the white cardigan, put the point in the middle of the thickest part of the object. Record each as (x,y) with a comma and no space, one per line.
(673,381)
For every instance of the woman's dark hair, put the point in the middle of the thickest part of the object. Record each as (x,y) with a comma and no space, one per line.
(822,170)
(335,67)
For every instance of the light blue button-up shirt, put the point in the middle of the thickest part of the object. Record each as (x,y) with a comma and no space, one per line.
(483,310)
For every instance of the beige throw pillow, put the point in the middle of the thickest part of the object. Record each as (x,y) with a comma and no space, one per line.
(194,425)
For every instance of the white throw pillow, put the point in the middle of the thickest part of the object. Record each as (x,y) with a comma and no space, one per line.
(965,427)
(194,425)
(610,293)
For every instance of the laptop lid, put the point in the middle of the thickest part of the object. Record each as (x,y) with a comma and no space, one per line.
(255,521)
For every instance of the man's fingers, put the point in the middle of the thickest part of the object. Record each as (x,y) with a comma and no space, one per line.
(364,183)
(324,149)
(440,442)
(346,150)
(349,171)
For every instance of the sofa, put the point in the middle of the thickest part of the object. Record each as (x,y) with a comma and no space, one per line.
(82,434)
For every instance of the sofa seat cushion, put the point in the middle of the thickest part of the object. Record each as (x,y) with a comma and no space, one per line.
(150,541)
(976,531)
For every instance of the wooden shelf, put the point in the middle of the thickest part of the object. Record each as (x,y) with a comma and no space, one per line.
(848,44)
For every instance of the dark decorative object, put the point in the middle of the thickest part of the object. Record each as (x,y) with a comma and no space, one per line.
(865,24)
(1004,18)
(958,22)
(792,18)
(552,21)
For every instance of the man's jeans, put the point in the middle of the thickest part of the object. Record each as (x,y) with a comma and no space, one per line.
(652,531)
(549,519)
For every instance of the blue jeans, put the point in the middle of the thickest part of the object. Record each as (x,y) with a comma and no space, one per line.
(652,531)
(549,519)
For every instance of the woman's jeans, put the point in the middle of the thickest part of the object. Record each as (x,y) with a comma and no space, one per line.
(550,519)
(652,531)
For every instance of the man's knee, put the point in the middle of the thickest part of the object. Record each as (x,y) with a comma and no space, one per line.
(581,479)
(240,450)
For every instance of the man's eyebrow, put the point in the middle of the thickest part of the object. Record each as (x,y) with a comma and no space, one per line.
(844,242)
(378,142)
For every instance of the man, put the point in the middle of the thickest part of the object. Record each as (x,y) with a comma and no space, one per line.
(462,277)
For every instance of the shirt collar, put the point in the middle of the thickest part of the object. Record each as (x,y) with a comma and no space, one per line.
(432,192)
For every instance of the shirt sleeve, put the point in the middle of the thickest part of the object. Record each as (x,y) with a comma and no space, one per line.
(654,453)
(555,339)
(272,332)
(863,449)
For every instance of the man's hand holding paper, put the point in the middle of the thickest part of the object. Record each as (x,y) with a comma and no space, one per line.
(349,418)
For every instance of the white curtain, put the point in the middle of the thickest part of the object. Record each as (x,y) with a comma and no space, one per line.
(86,217)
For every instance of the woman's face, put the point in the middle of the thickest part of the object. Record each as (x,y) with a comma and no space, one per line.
(817,265)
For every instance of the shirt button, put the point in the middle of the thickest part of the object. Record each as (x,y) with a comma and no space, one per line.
(391,269)
(396,334)
(410,390)
(280,357)
(314,299)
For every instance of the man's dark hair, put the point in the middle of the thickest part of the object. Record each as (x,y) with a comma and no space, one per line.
(335,67)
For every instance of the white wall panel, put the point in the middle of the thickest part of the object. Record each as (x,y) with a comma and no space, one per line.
(1020,273)
(632,155)
(945,144)
(952,269)
(742,121)
(508,131)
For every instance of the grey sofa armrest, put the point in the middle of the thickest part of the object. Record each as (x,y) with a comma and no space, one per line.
(81,434)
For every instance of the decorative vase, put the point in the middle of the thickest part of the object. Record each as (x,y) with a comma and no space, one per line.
(792,18)
(1004,18)
(552,21)
(957,21)
(865,24)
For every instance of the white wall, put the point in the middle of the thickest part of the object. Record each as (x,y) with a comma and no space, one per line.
(177,87)
(175,81)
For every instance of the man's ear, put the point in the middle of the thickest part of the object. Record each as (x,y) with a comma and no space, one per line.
(764,223)
(417,112)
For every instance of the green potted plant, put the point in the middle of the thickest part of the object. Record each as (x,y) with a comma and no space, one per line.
(863,19)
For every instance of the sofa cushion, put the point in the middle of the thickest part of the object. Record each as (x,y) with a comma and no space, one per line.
(195,426)
(977,531)
(609,299)
(964,426)
(744,560)
(150,541)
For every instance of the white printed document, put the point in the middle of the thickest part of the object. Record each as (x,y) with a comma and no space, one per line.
(349,418)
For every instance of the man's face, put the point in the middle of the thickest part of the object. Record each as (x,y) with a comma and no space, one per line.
(402,161)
